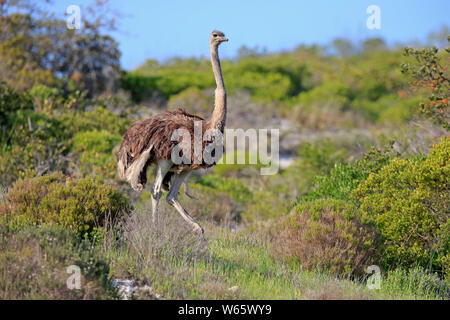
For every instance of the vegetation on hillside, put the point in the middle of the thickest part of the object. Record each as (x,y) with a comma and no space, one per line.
(365,127)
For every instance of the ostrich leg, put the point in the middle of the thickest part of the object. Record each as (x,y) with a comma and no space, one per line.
(161,170)
(172,199)
(186,186)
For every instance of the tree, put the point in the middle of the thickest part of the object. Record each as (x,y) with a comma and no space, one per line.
(343,47)
(430,71)
(374,44)
(38,49)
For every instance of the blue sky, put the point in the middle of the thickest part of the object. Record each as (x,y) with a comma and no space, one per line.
(164,29)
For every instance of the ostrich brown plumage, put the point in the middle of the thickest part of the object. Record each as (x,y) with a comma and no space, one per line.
(149,142)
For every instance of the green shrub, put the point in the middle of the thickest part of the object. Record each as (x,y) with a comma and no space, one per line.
(325,235)
(388,109)
(81,206)
(36,144)
(429,71)
(408,201)
(169,79)
(267,77)
(46,99)
(99,118)
(10,102)
(34,262)
(95,150)
(140,87)
(324,106)
(235,188)
(322,156)
(266,204)
(344,178)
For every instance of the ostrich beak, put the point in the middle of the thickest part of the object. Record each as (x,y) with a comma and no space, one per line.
(223,39)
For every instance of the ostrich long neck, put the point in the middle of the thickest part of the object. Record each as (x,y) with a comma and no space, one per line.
(220,102)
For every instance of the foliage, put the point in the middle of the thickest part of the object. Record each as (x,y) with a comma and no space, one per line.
(326,235)
(57,113)
(95,150)
(36,49)
(234,187)
(41,142)
(344,177)
(409,203)
(266,78)
(10,102)
(322,156)
(266,204)
(99,118)
(36,145)
(388,109)
(34,262)
(45,99)
(317,107)
(431,72)
(82,206)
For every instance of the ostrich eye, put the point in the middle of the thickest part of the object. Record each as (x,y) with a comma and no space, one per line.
(215,35)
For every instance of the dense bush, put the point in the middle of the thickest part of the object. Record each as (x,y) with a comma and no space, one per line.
(34,262)
(232,186)
(322,156)
(95,150)
(276,77)
(345,177)
(351,91)
(10,102)
(268,77)
(325,235)
(409,203)
(349,212)
(430,72)
(36,145)
(81,206)
(388,109)
(99,118)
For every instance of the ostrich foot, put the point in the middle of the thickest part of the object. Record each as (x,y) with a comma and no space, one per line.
(199,231)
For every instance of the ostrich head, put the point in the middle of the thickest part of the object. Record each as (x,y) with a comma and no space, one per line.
(217,37)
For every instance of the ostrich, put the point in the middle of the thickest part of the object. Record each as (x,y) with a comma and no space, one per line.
(148,142)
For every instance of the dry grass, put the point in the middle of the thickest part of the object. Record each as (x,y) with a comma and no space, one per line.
(170,237)
(33,265)
(149,252)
